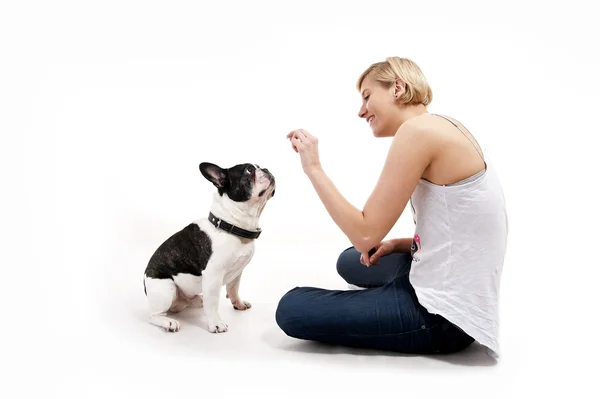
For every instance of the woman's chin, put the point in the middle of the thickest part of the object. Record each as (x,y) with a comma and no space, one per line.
(377,133)
(382,132)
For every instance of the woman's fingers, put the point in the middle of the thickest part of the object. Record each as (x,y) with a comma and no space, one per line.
(364,259)
(295,133)
(307,135)
(294,146)
(300,134)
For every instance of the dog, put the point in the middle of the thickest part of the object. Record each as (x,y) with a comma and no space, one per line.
(191,266)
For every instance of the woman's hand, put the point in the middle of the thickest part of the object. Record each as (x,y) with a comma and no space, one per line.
(307,146)
(382,249)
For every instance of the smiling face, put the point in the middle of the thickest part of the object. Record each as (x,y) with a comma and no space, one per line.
(392,92)
(379,107)
(241,183)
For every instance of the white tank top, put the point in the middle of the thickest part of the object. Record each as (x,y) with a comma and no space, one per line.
(458,252)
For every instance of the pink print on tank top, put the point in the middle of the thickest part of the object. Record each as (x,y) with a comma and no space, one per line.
(415,247)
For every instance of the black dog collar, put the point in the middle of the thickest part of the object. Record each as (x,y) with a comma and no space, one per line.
(223,225)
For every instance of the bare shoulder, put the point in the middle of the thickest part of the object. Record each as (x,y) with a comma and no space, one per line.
(454,153)
(428,125)
(423,130)
(442,132)
(414,145)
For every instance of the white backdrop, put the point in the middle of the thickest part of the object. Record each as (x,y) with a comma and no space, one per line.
(107,108)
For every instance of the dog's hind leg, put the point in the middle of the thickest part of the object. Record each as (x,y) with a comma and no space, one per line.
(196,301)
(181,302)
(162,295)
(184,301)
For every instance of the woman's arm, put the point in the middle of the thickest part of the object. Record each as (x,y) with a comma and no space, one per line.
(408,157)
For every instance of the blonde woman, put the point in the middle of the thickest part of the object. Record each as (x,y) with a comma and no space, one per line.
(436,292)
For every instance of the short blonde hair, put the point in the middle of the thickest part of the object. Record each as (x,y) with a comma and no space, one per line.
(386,72)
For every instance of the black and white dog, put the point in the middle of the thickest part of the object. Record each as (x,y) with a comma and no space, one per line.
(192,265)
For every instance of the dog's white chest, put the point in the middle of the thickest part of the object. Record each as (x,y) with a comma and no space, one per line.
(237,265)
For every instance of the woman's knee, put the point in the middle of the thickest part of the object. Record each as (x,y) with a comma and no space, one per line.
(289,311)
(347,261)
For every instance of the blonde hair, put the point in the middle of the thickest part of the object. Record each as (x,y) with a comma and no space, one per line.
(386,72)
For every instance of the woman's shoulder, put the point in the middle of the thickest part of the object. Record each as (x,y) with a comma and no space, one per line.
(429,122)
(455,154)
(428,127)
(435,128)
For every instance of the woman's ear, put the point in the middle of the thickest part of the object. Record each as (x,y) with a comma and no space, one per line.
(399,88)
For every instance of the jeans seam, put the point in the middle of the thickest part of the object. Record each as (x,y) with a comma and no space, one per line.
(380,335)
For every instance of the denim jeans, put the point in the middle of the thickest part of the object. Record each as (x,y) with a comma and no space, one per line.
(386,315)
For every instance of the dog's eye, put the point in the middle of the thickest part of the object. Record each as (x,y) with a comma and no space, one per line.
(249,170)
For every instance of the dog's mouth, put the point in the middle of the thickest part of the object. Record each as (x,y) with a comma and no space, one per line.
(266,175)
(270,188)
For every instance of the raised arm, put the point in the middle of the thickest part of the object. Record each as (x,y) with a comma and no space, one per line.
(408,157)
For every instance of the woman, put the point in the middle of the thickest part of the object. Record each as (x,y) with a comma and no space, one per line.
(438,291)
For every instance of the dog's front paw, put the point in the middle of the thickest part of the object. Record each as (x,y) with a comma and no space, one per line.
(218,327)
(173,326)
(241,305)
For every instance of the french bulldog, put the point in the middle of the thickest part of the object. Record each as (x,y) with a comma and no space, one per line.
(191,266)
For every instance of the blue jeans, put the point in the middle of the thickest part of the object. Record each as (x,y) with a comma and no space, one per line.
(385,316)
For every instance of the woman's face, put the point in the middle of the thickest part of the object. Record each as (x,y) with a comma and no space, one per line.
(379,108)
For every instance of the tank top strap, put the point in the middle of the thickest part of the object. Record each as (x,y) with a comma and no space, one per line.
(465,134)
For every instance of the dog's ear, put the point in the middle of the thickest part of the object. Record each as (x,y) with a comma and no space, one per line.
(215,175)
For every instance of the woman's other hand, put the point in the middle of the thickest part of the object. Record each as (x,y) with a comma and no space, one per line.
(384,248)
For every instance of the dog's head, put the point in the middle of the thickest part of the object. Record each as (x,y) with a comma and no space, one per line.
(243,183)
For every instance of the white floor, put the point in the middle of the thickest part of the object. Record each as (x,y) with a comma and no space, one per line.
(101,346)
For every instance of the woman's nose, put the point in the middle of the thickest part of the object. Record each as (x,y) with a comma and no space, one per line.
(362,111)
